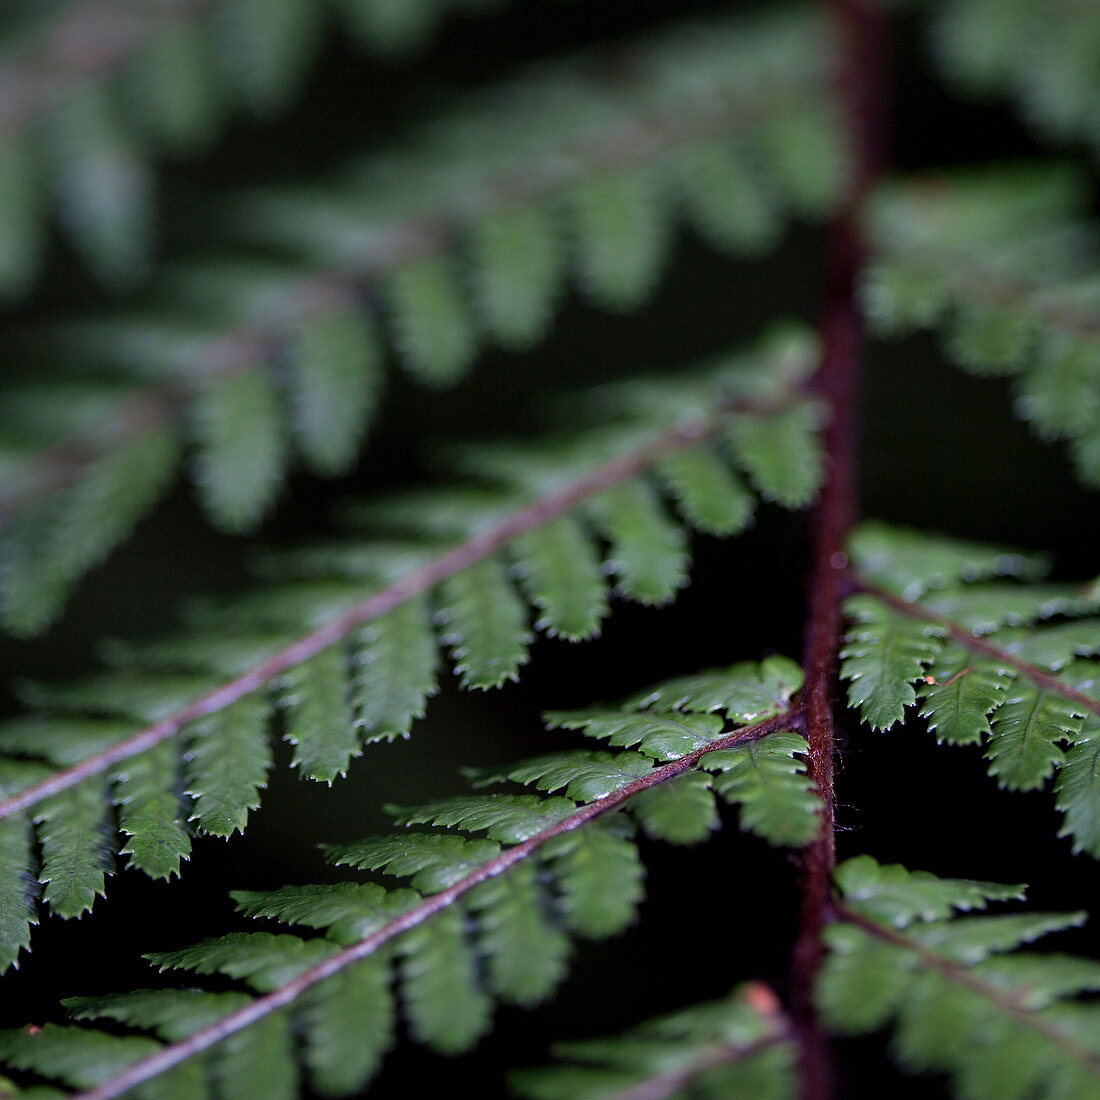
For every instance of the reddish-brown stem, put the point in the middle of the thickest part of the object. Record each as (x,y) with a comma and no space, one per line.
(859,29)
(480,546)
(1048,681)
(287,994)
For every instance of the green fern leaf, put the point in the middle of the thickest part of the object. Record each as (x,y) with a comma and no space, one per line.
(266,46)
(174,1014)
(221,654)
(681,811)
(648,553)
(806,159)
(781,453)
(262,960)
(242,453)
(103,187)
(864,981)
(525,954)
(446,1008)
(1022,750)
(981,610)
(59,739)
(150,812)
(349,1022)
(990,338)
(913,562)
(121,695)
(764,778)
(389,27)
(884,653)
(173,81)
(459,511)
(896,896)
(484,622)
(53,542)
(20,215)
(434,329)
(586,775)
(336,374)
(621,234)
(72,832)
(1077,790)
(974,939)
(1002,257)
(1060,395)
(74,1055)
(726,199)
(722,1049)
(957,1008)
(560,573)
(318,715)
(395,671)
(348,911)
(709,494)
(964,692)
(433,862)
(260,1059)
(227,765)
(746,691)
(519,267)
(16,890)
(1055,646)
(599,874)
(1007,1062)
(1040,980)
(509,818)
(660,736)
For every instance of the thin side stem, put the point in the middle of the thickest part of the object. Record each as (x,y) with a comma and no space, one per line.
(616,470)
(964,976)
(175,1053)
(860,30)
(1048,681)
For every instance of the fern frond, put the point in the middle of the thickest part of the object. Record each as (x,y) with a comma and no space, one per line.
(85,125)
(506,175)
(71,831)
(958,1002)
(884,654)
(1003,265)
(892,894)
(395,671)
(1045,65)
(764,779)
(682,811)
(51,542)
(741,1046)
(768,782)
(485,625)
(366,642)
(984,662)
(480,922)
(319,716)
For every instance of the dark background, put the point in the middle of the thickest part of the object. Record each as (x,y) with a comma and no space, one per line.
(940,450)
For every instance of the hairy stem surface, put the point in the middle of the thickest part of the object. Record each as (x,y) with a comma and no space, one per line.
(859,27)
